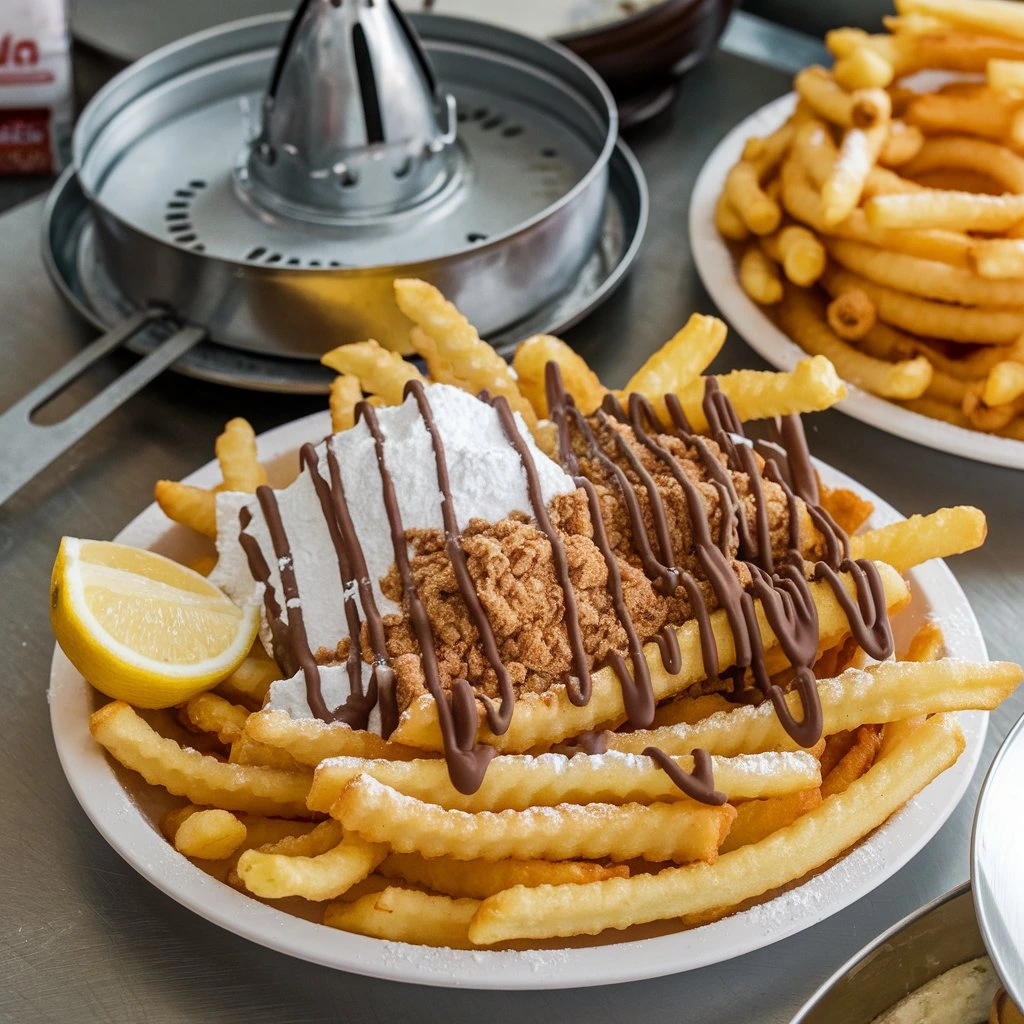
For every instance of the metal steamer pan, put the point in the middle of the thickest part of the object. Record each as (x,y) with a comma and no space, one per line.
(298,304)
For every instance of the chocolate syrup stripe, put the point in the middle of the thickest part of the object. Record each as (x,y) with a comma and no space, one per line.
(498,719)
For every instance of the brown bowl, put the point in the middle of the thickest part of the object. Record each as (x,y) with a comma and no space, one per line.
(642,56)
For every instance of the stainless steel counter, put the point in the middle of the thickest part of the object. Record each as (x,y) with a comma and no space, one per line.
(84,939)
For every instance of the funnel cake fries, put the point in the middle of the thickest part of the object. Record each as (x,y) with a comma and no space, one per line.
(549,658)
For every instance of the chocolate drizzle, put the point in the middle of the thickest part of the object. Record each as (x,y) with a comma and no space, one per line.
(782,589)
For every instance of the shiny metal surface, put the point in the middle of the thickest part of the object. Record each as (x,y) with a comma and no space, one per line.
(924,945)
(997,857)
(71,261)
(509,231)
(83,939)
(352,123)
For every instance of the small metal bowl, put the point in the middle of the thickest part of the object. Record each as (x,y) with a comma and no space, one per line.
(927,943)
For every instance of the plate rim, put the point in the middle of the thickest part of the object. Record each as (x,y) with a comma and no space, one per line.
(112,810)
(715,267)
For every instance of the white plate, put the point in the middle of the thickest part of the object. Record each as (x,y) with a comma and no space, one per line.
(717,270)
(126,816)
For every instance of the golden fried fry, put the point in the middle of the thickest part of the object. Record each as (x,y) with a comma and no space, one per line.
(729,223)
(199,777)
(346,394)
(757,819)
(909,542)
(406,915)
(855,762)
(851,315)
(902,145)
(236,453)
(801,254)
(802,318)
(758,211)
(376,369)
(956,211)
(965,153)
(691,709)
(519,782)
(309,740)
(681,360)
(858,153)
(998,258)
(188,505)
(791,852)
(937,410)
(863,68)
(579,380)
(680,831)
(209,713)
(478,879)
(1004,384)
(458,344)
(995,16)
(881,693)
(759,277)
(324,876)
(209,835)
(247,751)
(251,680)
(847,508)
(927,644)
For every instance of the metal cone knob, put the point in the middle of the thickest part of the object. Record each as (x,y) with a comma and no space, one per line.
(353,123)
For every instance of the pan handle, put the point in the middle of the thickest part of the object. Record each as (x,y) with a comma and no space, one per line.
(30,447)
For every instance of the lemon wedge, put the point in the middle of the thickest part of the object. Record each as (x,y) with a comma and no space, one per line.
(142,628)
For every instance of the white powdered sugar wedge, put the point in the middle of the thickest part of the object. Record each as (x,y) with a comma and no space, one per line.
(487,482)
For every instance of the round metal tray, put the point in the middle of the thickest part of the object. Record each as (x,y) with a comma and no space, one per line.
(69,257)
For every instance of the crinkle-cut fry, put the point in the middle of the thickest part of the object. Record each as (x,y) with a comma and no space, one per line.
(579,380)
(199,777)
(759,277)
(325,836)
(938,410)
(324,876)
(188,505)
(902,144)
(691,709)
(966,153)
(801,201)
(969,367)
(800,315)
(909,542)
(346,393)
(829,100)
(406,915)
(855,762)
(996,16)
(757,819)
(458,344)
(478,879)
(927,278)
(846,507)
(878,694)
(236,453)
(851,315)
(841,191)
(210,834)
(961,51)
(988,116)
(812,840)
(549,717)
(765,152)
(247,751)
(377,369)
(1005,383)
(520,781)
(728,222)
(962,324)
(758,211)
(209,713)
(937,208)
(997,259)
(836,747)
(681,360)
(309,740)
(680,831)
(251,680)
(811,386)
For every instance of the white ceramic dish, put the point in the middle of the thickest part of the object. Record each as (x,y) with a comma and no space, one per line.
(125,816)
(716,266)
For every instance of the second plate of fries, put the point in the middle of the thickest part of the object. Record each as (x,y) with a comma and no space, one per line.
(874,216)
(130,813)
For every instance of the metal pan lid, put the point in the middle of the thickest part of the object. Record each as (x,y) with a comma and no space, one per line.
(997,862)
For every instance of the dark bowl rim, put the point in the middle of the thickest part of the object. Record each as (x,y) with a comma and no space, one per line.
(608,29)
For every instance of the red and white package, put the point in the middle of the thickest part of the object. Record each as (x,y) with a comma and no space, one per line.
(35,86)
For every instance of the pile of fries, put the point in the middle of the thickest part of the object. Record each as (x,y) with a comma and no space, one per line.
(370,835)
(883,223)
